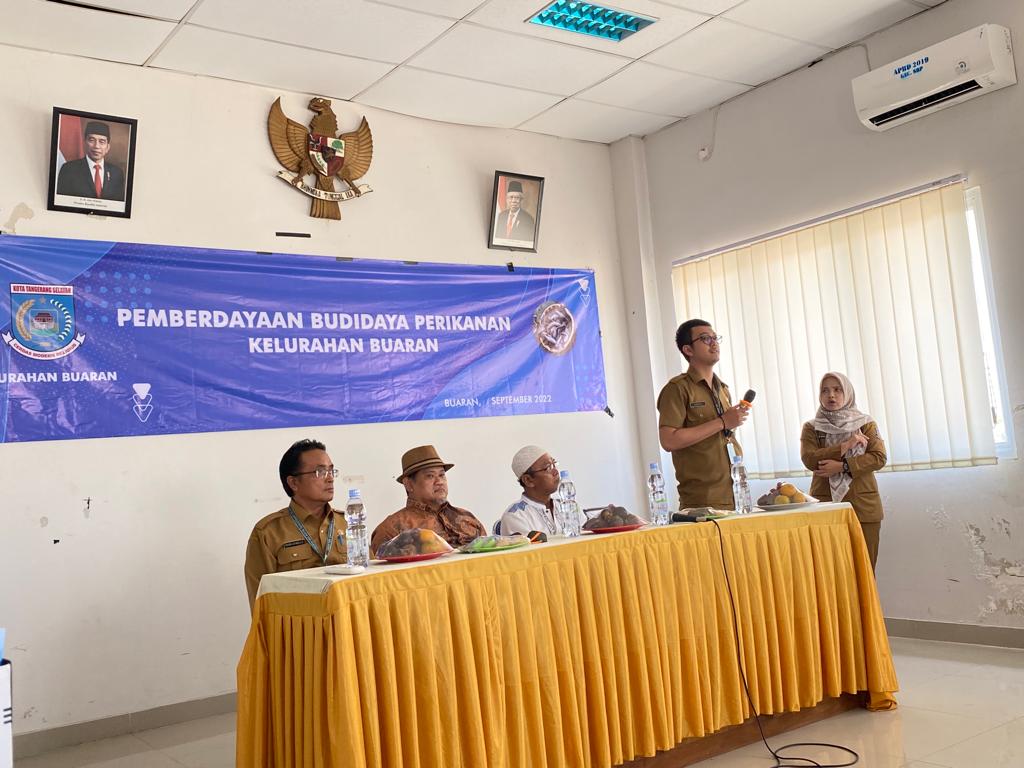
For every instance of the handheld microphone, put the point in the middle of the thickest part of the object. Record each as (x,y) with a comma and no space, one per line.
(748,398)
(679,517)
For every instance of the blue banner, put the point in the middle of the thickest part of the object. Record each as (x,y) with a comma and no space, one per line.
(110,339)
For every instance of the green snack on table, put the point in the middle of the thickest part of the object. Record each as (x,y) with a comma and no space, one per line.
(493,544)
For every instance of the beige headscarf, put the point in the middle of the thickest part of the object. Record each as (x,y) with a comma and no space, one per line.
(838,426)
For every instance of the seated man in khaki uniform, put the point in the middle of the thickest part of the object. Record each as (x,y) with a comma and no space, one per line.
(426,483)
(306,533)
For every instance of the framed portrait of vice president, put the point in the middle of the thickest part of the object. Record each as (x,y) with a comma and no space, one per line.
(515,211)
(92,163)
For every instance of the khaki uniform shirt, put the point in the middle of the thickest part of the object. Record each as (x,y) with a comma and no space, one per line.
(454,525)
(276,544)
(703,469)
(863,494)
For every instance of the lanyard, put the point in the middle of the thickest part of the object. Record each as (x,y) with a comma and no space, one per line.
(309,540)
(726,433)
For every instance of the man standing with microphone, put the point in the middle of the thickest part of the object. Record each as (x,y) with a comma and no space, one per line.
(697,421)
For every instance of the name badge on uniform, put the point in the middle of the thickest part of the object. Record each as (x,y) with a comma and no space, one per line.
(298,543)
(700,404)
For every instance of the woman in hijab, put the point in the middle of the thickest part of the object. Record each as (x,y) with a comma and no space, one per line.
(842,449)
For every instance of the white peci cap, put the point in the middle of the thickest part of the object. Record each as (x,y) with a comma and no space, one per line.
(525,458)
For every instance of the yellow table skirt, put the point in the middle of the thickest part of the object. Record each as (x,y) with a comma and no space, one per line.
(586,654)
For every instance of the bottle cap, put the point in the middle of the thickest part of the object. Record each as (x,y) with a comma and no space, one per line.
(737,459)
(654,466)
(354,494)
(564,474)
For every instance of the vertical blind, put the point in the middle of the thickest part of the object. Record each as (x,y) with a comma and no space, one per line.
(885,295)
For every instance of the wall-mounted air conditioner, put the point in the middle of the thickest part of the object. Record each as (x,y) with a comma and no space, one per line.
(971,64)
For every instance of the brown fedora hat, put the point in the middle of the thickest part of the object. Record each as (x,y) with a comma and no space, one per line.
(419,458)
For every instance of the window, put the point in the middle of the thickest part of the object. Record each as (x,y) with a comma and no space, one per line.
(994,372)
(886,295)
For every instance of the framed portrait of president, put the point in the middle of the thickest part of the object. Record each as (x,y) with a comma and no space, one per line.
(515,212)
(92,163)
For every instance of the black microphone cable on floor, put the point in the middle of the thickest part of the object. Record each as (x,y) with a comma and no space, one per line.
(804,762)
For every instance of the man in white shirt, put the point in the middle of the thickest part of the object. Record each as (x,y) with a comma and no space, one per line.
(537,473)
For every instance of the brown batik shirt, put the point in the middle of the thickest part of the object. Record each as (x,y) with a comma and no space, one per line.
(454,525)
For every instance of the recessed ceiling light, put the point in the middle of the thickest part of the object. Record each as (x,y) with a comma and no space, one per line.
(591,19)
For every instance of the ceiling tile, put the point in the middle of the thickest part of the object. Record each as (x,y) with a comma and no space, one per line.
(454,99)
(713,7)
(81,31)
(664,91)
(510,15)
(220,54)
(831,23)
(730,51)
(158,9)
(453,9)
(366,30)
(474,61)
(575,119)
(482,53)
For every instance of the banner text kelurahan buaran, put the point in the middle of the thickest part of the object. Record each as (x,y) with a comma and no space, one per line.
(343,321)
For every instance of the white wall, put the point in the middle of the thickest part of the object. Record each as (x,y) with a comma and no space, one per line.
(951,546)
(142,603)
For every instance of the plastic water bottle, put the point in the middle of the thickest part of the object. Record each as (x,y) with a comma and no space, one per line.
(355,535)
(656,495)
(740,489)
(568,513)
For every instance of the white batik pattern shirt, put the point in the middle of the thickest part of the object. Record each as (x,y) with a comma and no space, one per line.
(527,515)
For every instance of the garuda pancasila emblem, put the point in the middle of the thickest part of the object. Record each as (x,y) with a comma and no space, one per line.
(321,152)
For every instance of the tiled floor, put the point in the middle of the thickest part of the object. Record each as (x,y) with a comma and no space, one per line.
(962,706)
(207,743)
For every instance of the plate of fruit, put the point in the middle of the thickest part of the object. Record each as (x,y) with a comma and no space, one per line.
(613,519)
(785,496)
(413,545)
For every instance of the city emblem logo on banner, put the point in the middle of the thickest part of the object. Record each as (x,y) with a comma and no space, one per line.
(43,321)
(319,151)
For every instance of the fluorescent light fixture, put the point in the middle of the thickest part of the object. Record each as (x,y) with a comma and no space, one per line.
(591,19)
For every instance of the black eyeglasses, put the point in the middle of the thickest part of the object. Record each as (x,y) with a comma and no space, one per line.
(553,464)
(320,472)
(709,339)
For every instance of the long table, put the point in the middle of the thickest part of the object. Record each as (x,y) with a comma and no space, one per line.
(591,652)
